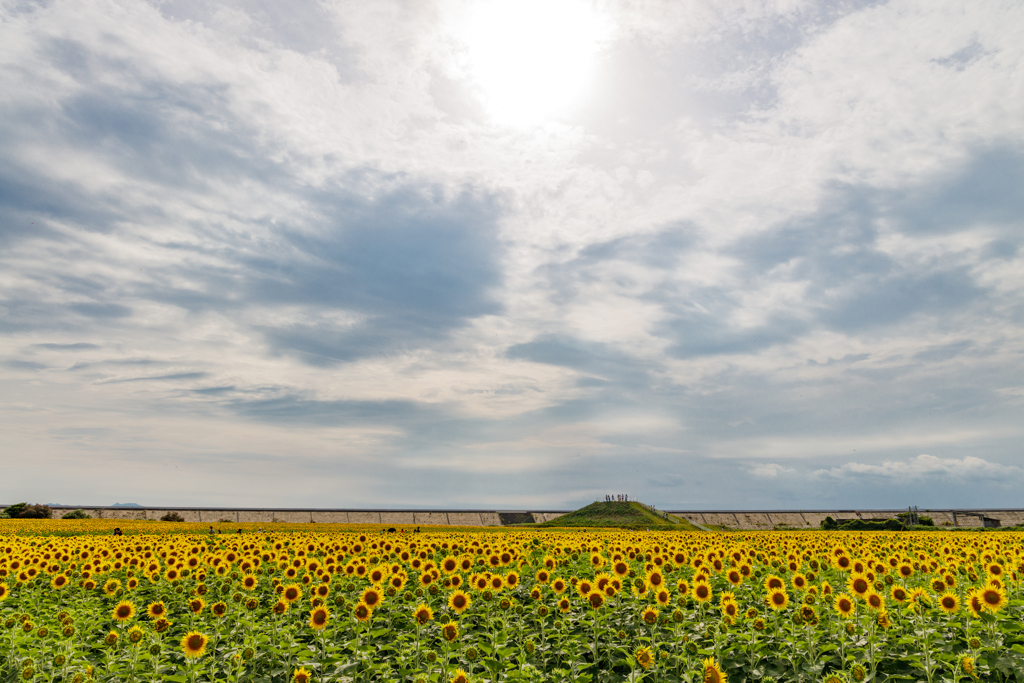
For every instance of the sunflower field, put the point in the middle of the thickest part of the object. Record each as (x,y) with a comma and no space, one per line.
(343,604)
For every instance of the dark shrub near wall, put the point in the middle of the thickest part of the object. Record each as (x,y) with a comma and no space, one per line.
(26,511)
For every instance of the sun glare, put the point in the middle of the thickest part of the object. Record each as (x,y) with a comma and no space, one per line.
(531,59)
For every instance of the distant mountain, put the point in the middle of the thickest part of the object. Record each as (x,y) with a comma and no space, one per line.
(126,505)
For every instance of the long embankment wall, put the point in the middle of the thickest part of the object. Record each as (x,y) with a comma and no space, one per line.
(807,519)
(722,519)
(320,516)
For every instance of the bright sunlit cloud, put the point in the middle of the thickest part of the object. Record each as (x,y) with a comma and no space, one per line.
(531,59)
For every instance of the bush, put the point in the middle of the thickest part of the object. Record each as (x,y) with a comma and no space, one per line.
(15,510)
(863,525)
(35,512)
(172,517)
(921,519)
(76,514)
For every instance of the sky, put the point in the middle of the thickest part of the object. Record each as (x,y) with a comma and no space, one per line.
(713,254)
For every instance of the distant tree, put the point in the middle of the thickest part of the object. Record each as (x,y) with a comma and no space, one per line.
(829,524)
(172,517)
(36,512)
(15,510)
(76,514)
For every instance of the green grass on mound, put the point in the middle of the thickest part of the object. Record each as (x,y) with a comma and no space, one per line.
(622,515)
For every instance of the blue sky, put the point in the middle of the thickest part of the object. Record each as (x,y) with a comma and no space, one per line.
(712,254)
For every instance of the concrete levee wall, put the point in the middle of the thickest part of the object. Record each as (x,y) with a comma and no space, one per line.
(727,519)
(754,520)
(464,518)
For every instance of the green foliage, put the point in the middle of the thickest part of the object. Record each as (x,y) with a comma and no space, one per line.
(172,517)
(76,514)
(921,519)
(830,524)
(625,515)
(26,511)
(15,510)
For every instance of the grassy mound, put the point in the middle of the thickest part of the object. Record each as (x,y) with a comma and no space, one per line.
(621,515)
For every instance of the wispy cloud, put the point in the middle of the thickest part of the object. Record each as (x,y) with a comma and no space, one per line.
(968,468)
(774,242)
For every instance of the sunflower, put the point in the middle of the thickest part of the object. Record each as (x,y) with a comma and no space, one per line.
(778,599)
(4,591)
(899,594)
(422,614)
(280,607)
(663,597)
(834,677)
(858,584)
(292,592)
(362,612)
(874,600)
(712,671)
(542,576)
(974,602)
(620,568)
(799,582)
(459,676)
(644,657)
(584,586)
(702,592)
(949,602)
(123,612)
(882,619)
(111,586)
(372,597)
(918,596)
(559,586)
(734,577)
(992,599)
(459,602)
(595,599)
(196,605)
(250,582)
(318,618)
(193,644)
(844,605)
(301,676)
(60,581)
(683,587)
(773,582)
(564,605)
(450,631)
(967,666)
(655,579)
(649,616)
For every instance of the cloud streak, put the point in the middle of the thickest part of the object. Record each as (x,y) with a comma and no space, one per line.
(776,243)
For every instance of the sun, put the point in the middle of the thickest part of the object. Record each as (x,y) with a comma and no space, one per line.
(531,60)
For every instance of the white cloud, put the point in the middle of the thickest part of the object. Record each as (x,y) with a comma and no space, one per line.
(176,173)
(769,470)
(924,466)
